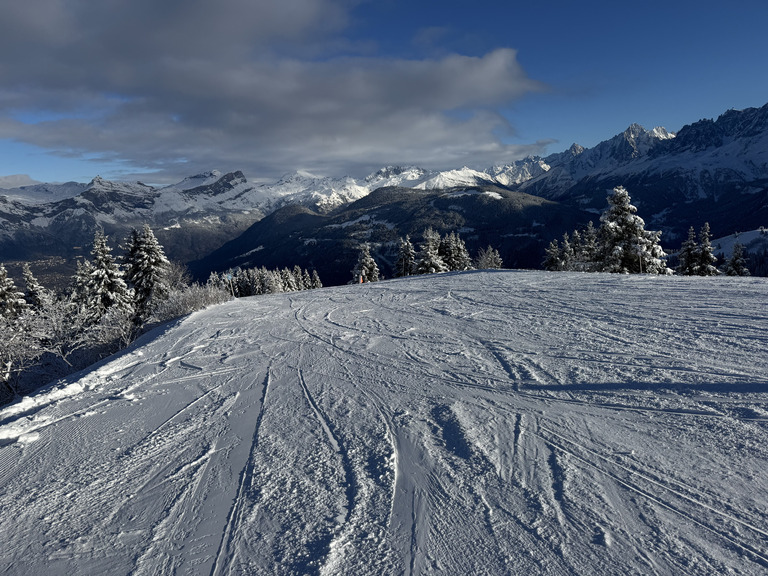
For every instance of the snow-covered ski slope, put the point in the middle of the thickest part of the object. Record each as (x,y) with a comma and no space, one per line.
(500,422)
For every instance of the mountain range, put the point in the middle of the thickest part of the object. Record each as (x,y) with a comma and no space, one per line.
(712,171)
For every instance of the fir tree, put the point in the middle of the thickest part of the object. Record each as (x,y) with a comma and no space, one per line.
(366,269)
(406,258)
(737,264)
(552,260)
(316,283)
(454,253)
(106,288)
(147,271)
(625,245)
(586,249)
(430,261)
(78,290)
(35,295)
(688,255)
(298,275)
(705,259)
(306,280)
(566,253)
(12,302)
(489,259)
(288,280)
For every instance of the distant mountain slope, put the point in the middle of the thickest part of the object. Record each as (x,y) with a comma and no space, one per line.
(518,225)
(715,171)
(484,423)
(191,218)
(712,171)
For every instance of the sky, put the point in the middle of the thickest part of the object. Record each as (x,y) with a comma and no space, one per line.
(157,91)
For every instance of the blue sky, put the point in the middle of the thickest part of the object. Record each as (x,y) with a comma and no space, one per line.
(156,91)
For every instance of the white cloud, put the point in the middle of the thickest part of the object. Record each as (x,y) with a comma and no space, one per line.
(242,84)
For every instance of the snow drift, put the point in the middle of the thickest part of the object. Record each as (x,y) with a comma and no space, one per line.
(475,423)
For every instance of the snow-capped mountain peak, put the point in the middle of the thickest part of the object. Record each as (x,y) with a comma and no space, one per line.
(202,179)
(661,133)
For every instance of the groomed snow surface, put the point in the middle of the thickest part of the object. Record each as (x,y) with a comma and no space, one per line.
(479,423)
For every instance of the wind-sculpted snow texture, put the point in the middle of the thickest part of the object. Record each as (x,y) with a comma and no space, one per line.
(475,423)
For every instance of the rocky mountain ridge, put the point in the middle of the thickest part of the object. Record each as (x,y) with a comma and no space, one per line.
(711,170)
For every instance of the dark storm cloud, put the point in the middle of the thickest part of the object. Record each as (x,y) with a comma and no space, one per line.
(259,86)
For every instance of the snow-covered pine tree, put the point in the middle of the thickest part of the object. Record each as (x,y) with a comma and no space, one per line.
(406,258)
(454,253)
(298,276)
(78,289)
(265,281)
(147,271)
(688,255)
(12,302)
(35,295)
(552,257)
(489,259)
(585,250)
(366,269)
(289,280)
(106,288)
(705,259)
(626,247)
(306,280)
(429,261)
(737,264)
(566,253)
(316,283)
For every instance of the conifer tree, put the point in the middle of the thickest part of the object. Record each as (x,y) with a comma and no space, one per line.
(106,288)
(566,253)
(430,261)
(737,264)
(35,295)
(12,301)
(688,255)
(625,245)
(552,257)
(298,276)
(406,258)
(366,269)
(306,280)
(316,283)
(489,259)
(147,271)
(288,280)
(586,252)
(705,259)
(454,253)
(78,290)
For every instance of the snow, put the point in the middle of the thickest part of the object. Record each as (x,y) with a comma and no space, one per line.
(450,178)
(752,240)
(498,422)
(36,194)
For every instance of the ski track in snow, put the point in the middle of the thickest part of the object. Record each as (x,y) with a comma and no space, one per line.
(479,423)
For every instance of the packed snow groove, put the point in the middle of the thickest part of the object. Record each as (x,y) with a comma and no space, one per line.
(501,422)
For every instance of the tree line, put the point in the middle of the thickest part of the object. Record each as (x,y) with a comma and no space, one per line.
(435,255)
(242,282)
(621,244)
(109,302)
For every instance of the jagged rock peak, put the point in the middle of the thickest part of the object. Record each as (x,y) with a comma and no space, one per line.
(99,183)
(747,122)
(206,175)
(661,133)
(391,171)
